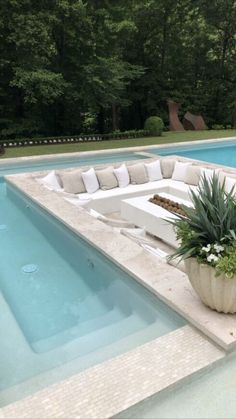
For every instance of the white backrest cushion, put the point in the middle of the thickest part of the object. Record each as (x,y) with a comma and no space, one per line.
(193,174)
(229,184)
(223,175)
(167,167)
(90,180)
(122,176)
(72,182)
(208,173)
(137,174)
(153,170)
(51,181)
(180,171)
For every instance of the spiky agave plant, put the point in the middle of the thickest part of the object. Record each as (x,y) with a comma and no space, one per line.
(211,220)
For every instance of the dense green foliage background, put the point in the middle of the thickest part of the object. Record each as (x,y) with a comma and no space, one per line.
(80,66)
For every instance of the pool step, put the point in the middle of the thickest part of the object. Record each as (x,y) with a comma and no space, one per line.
(83,328)
(30,385)
(111,328)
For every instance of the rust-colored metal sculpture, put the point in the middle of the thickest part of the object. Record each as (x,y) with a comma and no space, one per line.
(175,124)
(193,122)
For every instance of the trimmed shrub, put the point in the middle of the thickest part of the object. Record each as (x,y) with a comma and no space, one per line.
(154,125)
(217,127)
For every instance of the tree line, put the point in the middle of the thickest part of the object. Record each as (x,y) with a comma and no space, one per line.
(87,66)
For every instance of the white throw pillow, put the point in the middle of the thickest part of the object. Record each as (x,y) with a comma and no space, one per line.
(154,170)
(90,180)
(122,176)
(51,181)
(180,171)
(229,184)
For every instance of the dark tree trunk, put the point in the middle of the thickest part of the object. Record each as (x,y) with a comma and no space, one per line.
(19,109)
(115,117)
(100,121)
(221,73)
(164,40)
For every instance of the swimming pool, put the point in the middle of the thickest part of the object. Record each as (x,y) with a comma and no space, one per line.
(64,306)
(220,152)
(38,164)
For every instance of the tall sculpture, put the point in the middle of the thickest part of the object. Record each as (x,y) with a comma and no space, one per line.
(175,124)
(193,122)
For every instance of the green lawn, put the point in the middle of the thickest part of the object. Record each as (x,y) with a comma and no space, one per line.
(167,138)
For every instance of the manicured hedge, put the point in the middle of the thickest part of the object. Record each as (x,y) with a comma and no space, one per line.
(73,139)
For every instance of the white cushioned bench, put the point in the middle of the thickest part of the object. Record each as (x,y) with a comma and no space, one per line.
(110,200)
(173,182)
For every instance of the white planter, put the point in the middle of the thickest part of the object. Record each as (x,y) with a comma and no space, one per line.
(218,293)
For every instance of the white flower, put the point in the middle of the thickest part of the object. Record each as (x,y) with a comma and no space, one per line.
(212,258)
(206,248)
(218,248)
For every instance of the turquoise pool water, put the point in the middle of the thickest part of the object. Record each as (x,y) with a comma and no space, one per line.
(64,306)
(220,152)
(64,162)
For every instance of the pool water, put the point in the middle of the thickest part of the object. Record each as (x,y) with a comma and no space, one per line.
(218,152)
(61,300)
(66,161)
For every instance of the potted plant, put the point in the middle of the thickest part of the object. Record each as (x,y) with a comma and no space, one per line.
(207,236)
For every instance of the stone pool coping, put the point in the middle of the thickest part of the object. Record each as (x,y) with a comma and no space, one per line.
(111,387)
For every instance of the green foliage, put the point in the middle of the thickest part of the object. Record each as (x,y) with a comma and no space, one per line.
(118,61)
(154,125)
(227,263)
(208,232)
(39,86)
(217,126)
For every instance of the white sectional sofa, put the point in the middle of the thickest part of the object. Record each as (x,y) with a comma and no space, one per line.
(176,181)
(110,201)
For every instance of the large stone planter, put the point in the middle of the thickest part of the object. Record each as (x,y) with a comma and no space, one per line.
(218,293)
